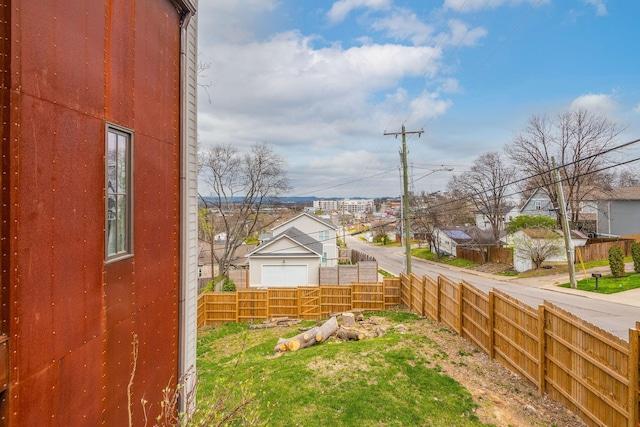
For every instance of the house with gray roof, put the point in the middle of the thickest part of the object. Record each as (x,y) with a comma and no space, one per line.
(319,229)
(290,259)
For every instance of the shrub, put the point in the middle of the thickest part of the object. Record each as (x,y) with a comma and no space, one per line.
(228,285)
(616,261)
(635,254)
(208,287)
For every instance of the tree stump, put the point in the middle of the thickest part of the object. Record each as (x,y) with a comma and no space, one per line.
(348,320)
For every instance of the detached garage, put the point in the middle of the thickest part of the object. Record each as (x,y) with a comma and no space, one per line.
(290,259)
(285,275)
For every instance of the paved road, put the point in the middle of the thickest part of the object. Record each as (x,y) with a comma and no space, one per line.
(616,314)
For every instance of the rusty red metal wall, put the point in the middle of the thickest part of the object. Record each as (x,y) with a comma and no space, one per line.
(5,59)
(75,66)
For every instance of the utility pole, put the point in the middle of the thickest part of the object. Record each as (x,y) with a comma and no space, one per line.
(565,227)
(405,201)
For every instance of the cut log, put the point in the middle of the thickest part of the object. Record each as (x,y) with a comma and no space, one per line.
(350,334)
(327,329)
(302,340)
(348,320)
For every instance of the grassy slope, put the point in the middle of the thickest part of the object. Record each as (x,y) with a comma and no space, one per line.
(393,380)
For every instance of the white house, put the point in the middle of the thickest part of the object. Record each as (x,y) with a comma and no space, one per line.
(539,203)
(448,239)
(508,212)
(290,259)
(522,259)
(318,229)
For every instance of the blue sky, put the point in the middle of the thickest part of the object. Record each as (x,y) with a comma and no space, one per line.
(321,81)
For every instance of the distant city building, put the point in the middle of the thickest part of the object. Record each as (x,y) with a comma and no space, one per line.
(356,206)
(325,205)
(345,205)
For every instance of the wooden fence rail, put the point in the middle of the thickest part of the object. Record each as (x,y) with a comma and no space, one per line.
(592,372)
(313,303)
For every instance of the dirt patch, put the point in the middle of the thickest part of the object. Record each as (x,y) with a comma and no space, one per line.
(494,268)
(503,398)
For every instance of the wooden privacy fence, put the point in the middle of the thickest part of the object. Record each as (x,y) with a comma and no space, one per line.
(486,254)
(313,303)
(600,249)
(592,372)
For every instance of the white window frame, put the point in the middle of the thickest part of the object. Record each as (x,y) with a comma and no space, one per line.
(118,233)
(323,235)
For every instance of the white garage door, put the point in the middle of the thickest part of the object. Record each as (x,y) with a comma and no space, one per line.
(284,275)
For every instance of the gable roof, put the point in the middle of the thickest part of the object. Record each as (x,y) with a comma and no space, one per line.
(298,239)
(314,217)
(470,235)
(620,193)
(545,233)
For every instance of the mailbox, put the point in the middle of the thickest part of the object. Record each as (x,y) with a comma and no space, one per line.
(596,276)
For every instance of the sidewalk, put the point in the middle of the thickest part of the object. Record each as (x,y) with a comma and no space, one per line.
(630,297)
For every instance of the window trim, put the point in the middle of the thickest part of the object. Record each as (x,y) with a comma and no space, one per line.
(128,252)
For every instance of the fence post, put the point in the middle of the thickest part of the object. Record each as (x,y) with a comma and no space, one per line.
(423,283)
(438,287)
(634,362)
(460,308)
(268,305)
(237,306)
(541,350)
(410,276)
(492,350)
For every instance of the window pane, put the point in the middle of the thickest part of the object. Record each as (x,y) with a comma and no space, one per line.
(121,245)
(111,224)
(122,164)
(111,163)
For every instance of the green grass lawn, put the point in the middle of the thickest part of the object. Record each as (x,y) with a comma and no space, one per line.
(393,380)
(425,253)
(607,284)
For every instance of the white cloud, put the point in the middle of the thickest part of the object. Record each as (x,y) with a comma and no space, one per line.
(461,35)
(292,74)
(473,5)
(597,103)
(342,8)
(403,24)
(450,85)
(427,106)
(601,7)
(233,20)
(636,109)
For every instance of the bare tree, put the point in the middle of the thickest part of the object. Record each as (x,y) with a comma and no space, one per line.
(241,185)
(627,178)
(539,245)
(431,212)
(579,141)
(486,186)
